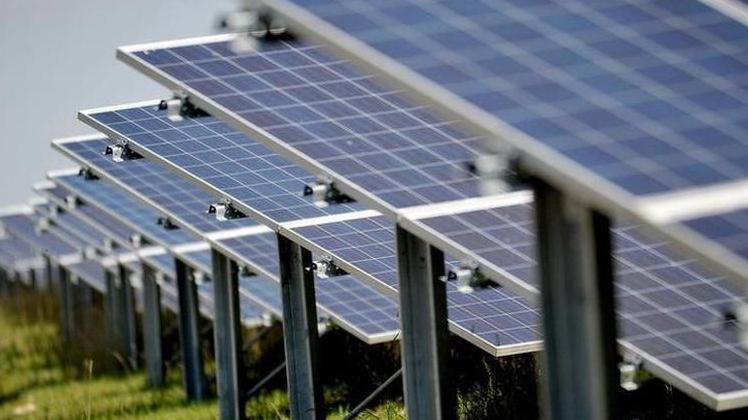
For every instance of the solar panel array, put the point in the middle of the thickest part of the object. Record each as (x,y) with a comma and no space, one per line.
(264,247)
(638,106)
(369,317)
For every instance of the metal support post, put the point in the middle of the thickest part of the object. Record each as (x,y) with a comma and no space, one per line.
(425,335)
(152,325)
(300,334)
(66,296)
(227,328)
(195,384)
(128,318)
(576,276)
(83,305)
(4,284)
(112,312)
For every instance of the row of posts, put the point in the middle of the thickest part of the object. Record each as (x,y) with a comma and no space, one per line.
(576,278)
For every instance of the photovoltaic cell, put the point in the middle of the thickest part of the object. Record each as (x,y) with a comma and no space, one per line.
(22,226)
(90,272)
(345,299)
(670,309)
(208,150)
(125,208)
(649,96)
(499,319)
(161,193)
(344,123)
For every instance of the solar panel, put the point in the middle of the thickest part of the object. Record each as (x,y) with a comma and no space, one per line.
(637,106)
(91,272)
(126,209)
(671,309)
(333,120)
(157,187)
(491,317)
(104,223)
(23,227)
(346,300)
(214,154)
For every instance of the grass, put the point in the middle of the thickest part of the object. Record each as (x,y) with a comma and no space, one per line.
(40,380)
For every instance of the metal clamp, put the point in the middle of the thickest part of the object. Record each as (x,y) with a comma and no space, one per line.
(245,271)
(87,174)
(225,211)
(179,107)
(324,192)
(199,278)
(252,24)
(136,282)
(166,223)
(467,276)
(494,172)
(121,153)
(137,240)
(326,268)
(630,370)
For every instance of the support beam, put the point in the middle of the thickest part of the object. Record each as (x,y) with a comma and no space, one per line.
(127,318)
(152,329)
(83,304)
(300,334)
(227,328)
(195,384)
(66,298)
(576,276)
(425,335)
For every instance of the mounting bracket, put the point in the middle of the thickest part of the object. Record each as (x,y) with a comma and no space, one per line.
(166,223)
(326,268)
(467,276)
(225,211)
(87,174)
(495,172)
(324,192)
(137,240)
(179,107)
(121,152)
(630,369)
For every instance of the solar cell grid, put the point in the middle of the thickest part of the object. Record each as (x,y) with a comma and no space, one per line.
(124,208)
(648,96)
(90,272)
(101,221)
(347,300)
(16,249)
(22,226)
(663,298)
(496,316)
(151,181)
(231,163)
(329,117)
(257,252)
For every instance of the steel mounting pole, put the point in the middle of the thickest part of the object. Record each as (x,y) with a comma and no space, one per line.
(300,334)
(227,330)
(128,317)
(576,279)
(425,336)
(66,297)
(195,384)
(152,329)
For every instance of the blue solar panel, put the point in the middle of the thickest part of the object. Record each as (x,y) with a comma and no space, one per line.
(17,249)
(671,310)
(498,317)
(163,263)
(207,149)
(345,299)
(23,227)
(126,209)
(91,272)
(99,220)
(161,193)
(649,96)
(74,226)
(729,230)
(263,292)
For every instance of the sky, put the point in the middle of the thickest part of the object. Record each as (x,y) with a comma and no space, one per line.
(58,57)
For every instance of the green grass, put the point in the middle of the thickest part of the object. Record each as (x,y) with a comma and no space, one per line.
(39,380)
